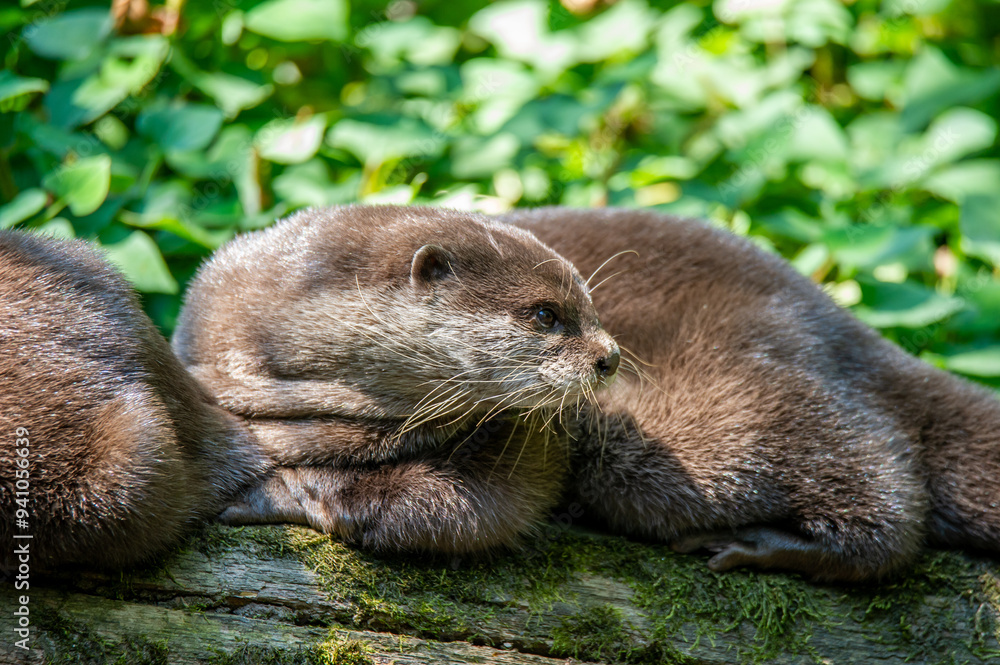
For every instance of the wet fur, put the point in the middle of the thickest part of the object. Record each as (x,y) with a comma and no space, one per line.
(767,425)
(126,450)
(386,361)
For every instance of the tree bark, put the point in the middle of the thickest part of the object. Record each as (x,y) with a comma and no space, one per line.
(289,595)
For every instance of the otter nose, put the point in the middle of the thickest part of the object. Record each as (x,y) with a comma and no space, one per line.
(607,366)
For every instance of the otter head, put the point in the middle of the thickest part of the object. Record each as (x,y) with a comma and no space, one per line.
(419,314)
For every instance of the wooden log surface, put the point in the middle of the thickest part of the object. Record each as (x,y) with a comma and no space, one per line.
(290,595)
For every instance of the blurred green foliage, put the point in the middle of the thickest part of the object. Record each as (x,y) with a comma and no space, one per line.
(858,140)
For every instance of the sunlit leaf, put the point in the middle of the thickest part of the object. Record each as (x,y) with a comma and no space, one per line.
(310,184)
(289,141)
(982,362)
(933,83)
(13,88)
(140,260)
(299,20)
(968,178)
(377,140)
(180,125)
(72,35)
(82,184)
(980,223)
(417,40)
(906,305)
(473,157)
(25,205)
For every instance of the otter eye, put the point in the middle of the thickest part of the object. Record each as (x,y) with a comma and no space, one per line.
(546,318)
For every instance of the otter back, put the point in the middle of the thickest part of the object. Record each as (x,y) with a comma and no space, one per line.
(114,425)
(759,420)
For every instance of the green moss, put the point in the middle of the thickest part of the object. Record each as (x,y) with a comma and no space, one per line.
(684,603)
(215,539)
(69,642)
(597,633)
(987,618)
(919,614)
(334,651)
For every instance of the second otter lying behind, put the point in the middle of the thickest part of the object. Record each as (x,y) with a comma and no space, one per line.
(770,426)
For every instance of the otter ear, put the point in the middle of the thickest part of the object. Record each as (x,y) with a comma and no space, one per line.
(430,264)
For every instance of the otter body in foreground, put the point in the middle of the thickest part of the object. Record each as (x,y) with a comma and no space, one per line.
(769,425)
(402,367)
(111,450)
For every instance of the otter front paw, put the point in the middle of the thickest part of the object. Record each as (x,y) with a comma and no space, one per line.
(294,495)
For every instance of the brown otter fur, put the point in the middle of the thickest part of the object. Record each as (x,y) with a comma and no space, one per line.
(770,427)
(124,450)
(386,359)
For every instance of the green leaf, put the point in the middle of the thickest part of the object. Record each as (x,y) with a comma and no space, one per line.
(622,29)
(290,142)
(83,185)
(473,157)
(180,125)
(381,139)
(231,158)
(55,140)
(27,203)
(869,246)
(968,178)
(980,225)
(932,84)
(131,63)
(956,133)
(795,224)
(815,135)
(140,260)
(310,184)
(417,40)
(906,305)
(232,93)
(59,227)
(877,80)
(981,362)
(14,87)
(299,20)
(519,31)
(72,35)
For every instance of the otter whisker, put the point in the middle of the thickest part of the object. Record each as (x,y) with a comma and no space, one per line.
(506,355)
(542,263)
(434,409)
(477,402)
(524,444)
(632,353)
(644,377)
(606,262)
(611,276)
(542,403)
(418,357)
(518,394)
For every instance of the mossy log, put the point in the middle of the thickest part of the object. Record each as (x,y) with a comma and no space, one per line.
(290,595)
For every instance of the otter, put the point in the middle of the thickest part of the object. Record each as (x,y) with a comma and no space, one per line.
(759,420)
(111,450)
(403,369)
